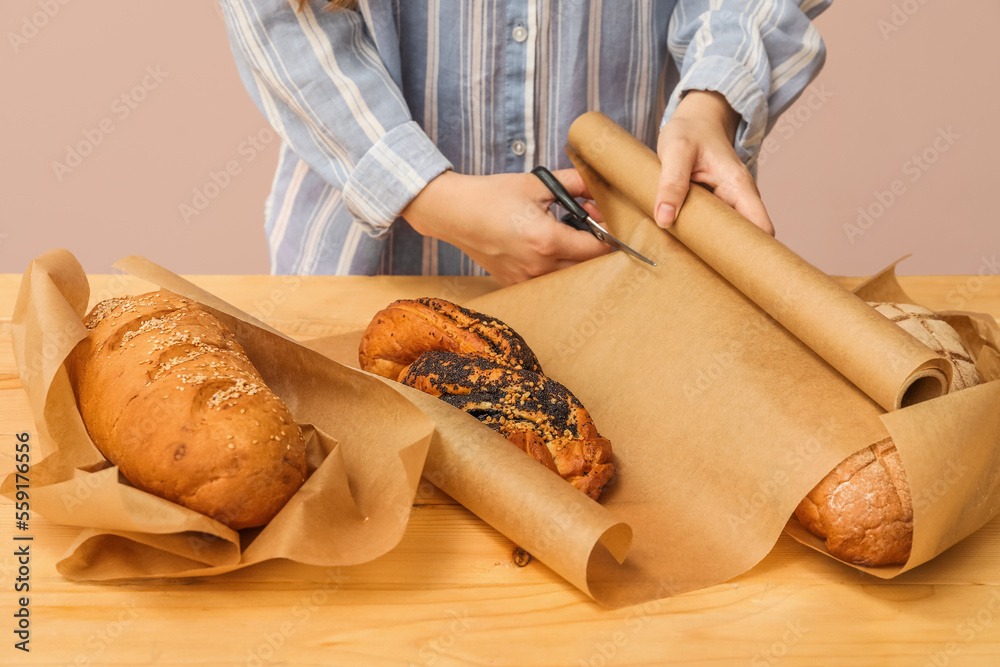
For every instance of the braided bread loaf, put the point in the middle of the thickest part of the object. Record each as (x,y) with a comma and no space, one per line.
(863,509)
(405,329)
(534,412)
(169,396)
(479,364)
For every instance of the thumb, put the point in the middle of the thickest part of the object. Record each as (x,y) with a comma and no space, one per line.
(573,182)
(575,245)
(677,159)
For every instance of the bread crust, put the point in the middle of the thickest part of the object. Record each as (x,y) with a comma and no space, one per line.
(534,412)
(407,328)
(936,334)
(863,509)
(169,396)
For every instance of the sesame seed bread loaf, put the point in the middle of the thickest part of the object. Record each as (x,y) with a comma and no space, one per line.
(863,508)
(169,396)
(405,329)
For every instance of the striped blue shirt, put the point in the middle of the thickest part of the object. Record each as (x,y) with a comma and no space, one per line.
(372,104)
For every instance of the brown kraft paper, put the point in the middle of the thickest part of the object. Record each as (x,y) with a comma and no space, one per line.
(368,445)
(731,378)
(363,472)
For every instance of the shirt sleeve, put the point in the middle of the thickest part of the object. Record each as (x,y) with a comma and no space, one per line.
(760,54)
(322,85)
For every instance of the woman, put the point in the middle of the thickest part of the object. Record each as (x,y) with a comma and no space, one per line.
(409,127)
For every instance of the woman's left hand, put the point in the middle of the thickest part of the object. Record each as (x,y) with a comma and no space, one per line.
(696,144)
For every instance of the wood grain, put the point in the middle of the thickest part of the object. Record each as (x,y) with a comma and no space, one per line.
(450,593)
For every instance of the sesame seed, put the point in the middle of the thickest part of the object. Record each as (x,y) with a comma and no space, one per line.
(239,388)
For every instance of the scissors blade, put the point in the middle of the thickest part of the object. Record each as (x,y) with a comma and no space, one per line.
(578,217)
(604,235)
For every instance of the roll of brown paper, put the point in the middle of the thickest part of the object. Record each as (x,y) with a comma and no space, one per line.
(885,362)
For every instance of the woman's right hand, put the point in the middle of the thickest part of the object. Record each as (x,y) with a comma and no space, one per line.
(502,221)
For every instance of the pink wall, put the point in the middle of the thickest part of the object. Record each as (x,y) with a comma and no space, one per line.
(125,196)
(901,124)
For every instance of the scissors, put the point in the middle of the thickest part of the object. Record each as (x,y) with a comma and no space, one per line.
(577,216)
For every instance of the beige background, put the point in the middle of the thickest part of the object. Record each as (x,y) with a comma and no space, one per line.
(892,151)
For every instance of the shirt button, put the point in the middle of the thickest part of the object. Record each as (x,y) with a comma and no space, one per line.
(520,33)
(519,147)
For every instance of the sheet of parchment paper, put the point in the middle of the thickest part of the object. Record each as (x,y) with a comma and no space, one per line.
(804,299)
(949,446)
(730,379)
(733,377)
(523,500)
(366,449)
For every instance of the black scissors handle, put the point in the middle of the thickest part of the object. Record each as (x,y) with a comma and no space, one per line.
(577,216)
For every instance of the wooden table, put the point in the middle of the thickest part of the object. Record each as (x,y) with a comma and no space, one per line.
(450,593)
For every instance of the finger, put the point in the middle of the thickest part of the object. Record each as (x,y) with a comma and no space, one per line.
(565,264)
(565,247)
(677,160)
(562,242)
(740,191)
(573,182)
(752,208)
(593,211)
